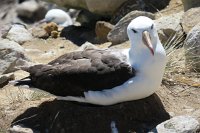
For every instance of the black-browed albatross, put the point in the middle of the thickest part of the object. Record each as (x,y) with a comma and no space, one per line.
(106,77)
(58,16)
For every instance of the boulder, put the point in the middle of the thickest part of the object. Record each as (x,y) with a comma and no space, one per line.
(31,10)
(7,44)
(192,48)
(72,117)
(108,7)
(118,34)
(11,56)
(8,12)
(179,124)
(168,26)
(102,7)
(190,4)
(39,32)
(140,5)
(19,34)
(190,19)
(102,29)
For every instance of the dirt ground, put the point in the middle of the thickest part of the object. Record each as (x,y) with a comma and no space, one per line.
(179,92)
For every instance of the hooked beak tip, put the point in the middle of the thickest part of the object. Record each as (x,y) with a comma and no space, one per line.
(147,41)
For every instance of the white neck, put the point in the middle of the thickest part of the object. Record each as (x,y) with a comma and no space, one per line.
(143,61)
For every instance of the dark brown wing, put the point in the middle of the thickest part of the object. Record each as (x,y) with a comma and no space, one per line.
(76,72)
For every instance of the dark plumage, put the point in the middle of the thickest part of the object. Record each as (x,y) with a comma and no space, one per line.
(74,73)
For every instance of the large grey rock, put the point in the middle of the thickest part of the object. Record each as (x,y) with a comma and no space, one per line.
(11,56)
(167,26)
(190,19)
(31,10)
(102,29)
(190,4)
(8,12)
(7,44)
(103,7)
(140,5)
(118,34)
(179,124)
(39,32)
(192,48)
(19,34)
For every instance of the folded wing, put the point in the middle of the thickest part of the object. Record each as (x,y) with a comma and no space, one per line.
(74,73)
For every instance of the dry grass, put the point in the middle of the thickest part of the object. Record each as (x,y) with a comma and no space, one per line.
(175,52)
(176,71)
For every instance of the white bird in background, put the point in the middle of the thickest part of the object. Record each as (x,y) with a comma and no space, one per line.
(106,77)
(58,16)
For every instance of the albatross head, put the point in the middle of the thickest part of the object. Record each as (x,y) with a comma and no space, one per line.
(58,16)
(146,54)
(142,34)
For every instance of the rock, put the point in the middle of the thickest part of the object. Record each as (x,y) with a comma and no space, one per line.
(20,129)
(102,7)
(196,114)
(5,78)
(19,34)
(168,26)
(7,44)
(192,48)
(118,34)
(87,45)
(179,124)
(8,13)
(108,7)
(11,56)
(190,4)
(102,29)
(39,32)
(4,30)
(72,117)
(140,5)
(190,19)
(31,10)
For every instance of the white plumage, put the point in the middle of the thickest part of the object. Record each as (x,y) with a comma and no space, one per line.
(146,55)
(58,16)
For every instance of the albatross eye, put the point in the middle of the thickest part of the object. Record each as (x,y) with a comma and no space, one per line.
(134,31)
(152,26)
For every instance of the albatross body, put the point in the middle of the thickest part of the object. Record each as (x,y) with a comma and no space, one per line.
(106,77)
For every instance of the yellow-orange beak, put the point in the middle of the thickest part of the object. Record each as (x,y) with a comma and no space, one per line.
(147,41)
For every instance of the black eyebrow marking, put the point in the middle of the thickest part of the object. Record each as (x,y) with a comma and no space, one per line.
(152,26)
(134,30)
